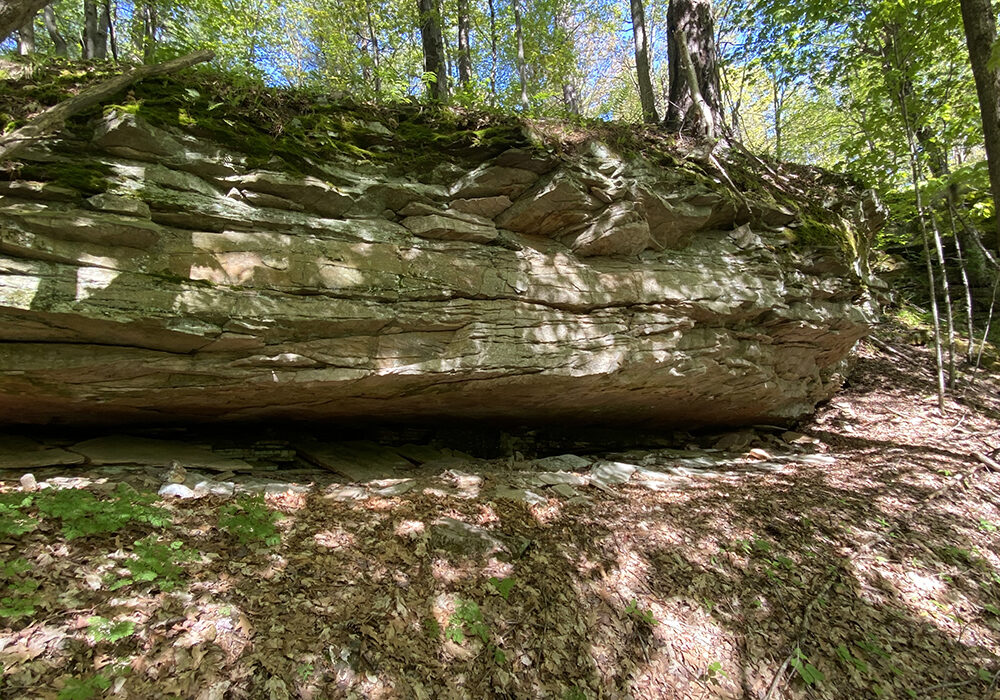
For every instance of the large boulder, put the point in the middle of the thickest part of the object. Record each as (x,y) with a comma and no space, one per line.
(527,287)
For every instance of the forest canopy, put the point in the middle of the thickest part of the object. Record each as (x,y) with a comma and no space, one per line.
(807,80)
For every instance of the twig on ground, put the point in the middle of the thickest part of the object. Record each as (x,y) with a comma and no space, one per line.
(885,347)
(992,465)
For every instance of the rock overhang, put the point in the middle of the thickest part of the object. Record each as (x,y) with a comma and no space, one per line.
(582,288)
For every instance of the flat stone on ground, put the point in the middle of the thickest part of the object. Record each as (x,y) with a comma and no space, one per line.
(18,452)
(607,473)
(558,463)
(359,461)
(126,449)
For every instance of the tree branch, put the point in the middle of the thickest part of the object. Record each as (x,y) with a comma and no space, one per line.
(54,117)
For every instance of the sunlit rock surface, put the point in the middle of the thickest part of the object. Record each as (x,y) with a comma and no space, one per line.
(582,287)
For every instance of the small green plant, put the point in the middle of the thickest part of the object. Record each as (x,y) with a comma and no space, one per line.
(250,520)
(503,586)
(152,561)
(574,693)
(986,526)
(809,674)
(13,521)
(100,629)
(714,673)
(21,600)
(850,659)
(467,620)
(644,616)
(304,671)
(83,514)
(84,688)
(432,628)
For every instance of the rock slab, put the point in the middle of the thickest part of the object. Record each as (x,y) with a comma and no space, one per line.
(584,289)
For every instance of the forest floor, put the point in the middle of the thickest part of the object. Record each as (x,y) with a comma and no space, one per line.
(871,572)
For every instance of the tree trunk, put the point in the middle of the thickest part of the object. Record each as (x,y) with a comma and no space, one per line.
(646,98)
(111,34)
(522,68)
(58,42)
(90,21)
(571,92)
(376,50)
(433,48)
(464,52)
(14,14)
(692,22)
(778,102)
(26,38)
(150,24)
(980,34)
(493,53)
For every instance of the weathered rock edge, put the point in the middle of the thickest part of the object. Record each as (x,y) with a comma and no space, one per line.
(531,287)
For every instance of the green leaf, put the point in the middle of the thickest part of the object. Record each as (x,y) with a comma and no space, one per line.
(503,586)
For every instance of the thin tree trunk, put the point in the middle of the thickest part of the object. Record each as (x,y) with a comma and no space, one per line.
(433,48)
(90,20)
(103,20)
(464,51)
(571,93)
(980,35)
(493,53)
(376,49)
(641,43)
(946,292)
(150,24)
(14,14)
(964,273)
(52,118)
(26,38)
(911,143)
(778,100)
(112,34)
(58,42)
(692,33)
(522,68)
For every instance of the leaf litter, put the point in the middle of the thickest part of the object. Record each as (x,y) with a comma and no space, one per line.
(872,572)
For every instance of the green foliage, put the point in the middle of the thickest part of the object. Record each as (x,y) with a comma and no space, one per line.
(644,616)
(20,601)
(83,514)
(467,621)
(84,688)
(100,629)
(13,521)
(809,674)
(248,519)
(152,561)
(714,673)
(503,586)
(850,659)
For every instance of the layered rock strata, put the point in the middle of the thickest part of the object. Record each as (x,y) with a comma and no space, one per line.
(528,286)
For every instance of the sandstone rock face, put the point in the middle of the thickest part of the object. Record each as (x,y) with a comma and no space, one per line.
(585,288)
